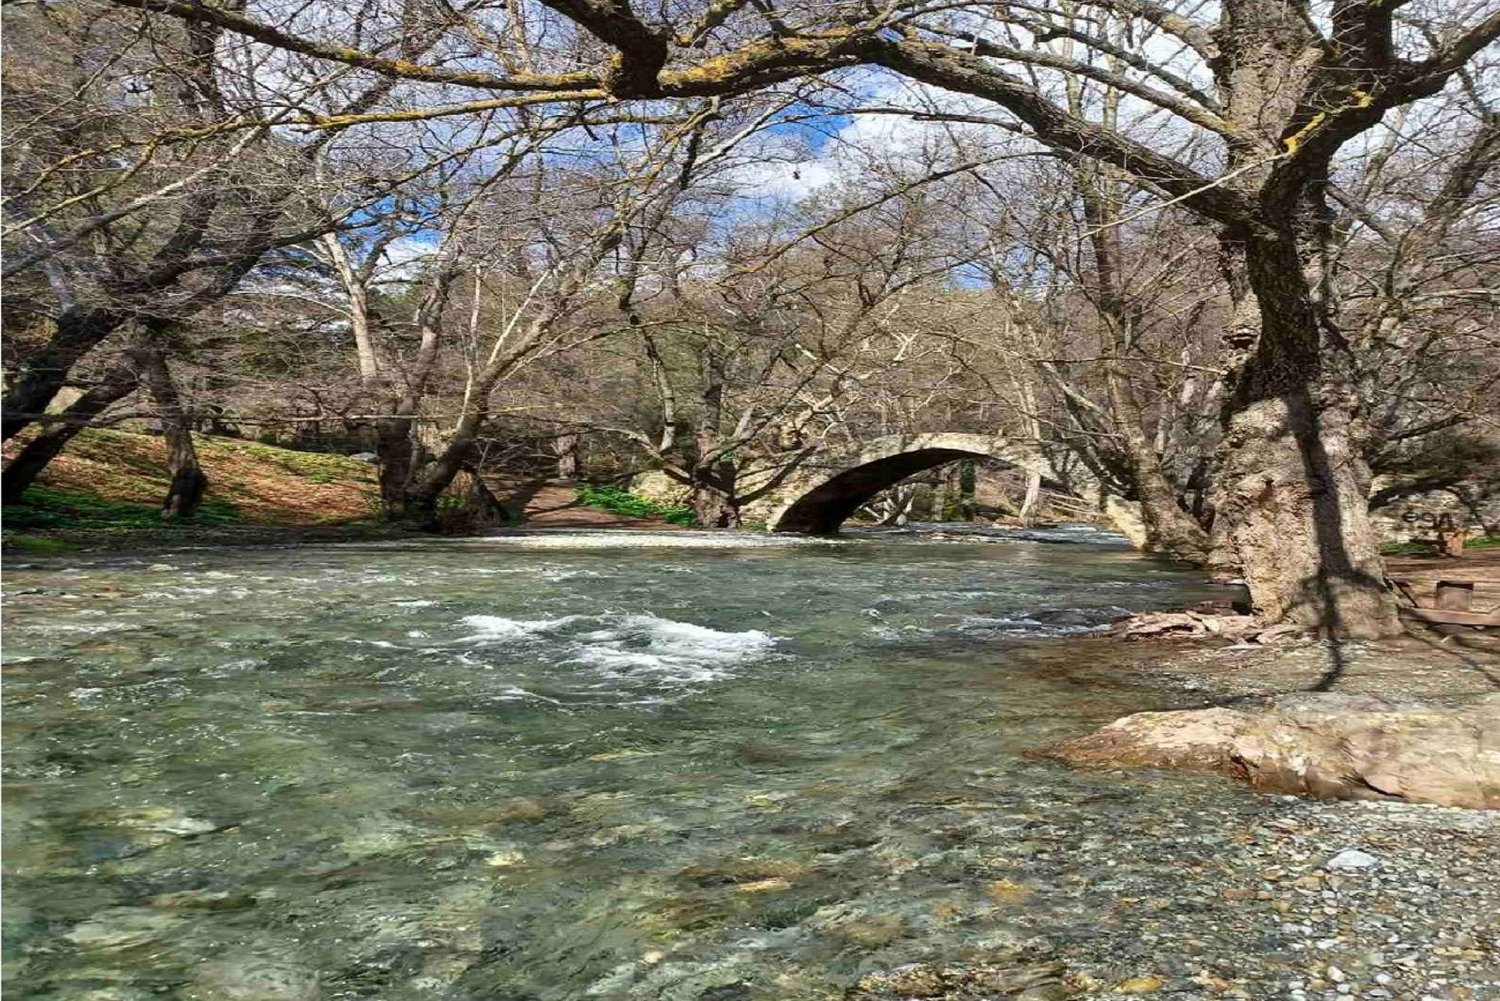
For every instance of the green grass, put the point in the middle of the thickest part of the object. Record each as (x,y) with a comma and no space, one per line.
(46,508)
(38,544)
(1482,542)
(618,501)
(320,467)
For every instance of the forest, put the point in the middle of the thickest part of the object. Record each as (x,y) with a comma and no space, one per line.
(1234,264)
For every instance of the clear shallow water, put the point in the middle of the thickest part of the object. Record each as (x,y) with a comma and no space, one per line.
(510,769)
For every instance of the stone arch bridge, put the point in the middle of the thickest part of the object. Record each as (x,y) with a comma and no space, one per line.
(830,486)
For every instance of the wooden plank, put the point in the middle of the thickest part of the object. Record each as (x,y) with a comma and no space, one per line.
(1444,616)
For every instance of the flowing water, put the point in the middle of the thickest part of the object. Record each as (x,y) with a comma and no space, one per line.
(560,766)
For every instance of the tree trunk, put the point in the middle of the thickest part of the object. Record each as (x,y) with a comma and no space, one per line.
(189,482)
(44,373)
(427,484)
(714,502)
(1029,500)
(22,471)
(477,507)
(487,507)
(566,447)
(396,451)
(1295,484)
(1294,495)
(1170,530)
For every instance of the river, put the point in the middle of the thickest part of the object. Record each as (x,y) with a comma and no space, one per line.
(564,766)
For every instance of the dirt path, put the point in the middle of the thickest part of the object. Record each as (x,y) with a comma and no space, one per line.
(1424,571)
(553,504)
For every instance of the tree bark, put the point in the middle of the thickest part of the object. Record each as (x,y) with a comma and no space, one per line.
(21,473)
(714,502)
(566,447)
(1029,498)
(1294,496)
(43,374)
(1170,530)
(396,451)
(189,481)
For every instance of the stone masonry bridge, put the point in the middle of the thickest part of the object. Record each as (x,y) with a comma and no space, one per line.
(832,485)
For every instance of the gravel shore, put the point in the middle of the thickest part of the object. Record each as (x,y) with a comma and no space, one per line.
(1272,911)
(1278,903)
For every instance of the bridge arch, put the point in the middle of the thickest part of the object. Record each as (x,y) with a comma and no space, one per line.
(832,486)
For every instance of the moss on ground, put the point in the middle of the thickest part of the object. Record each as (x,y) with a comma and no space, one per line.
(107,488)
(45,507)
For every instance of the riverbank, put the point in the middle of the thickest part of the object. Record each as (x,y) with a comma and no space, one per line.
(1425,665)
(104,493)
(1385,900)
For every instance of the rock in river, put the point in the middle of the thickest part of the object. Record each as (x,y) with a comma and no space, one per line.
(1348,747)
(1027,981)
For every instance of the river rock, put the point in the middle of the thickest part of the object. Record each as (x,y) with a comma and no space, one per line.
(1347,747)
(120,928)
(1351,858)
(1034,981)
(203,900)
(251,976)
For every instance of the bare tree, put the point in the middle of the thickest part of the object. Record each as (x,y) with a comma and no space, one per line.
(1238,120)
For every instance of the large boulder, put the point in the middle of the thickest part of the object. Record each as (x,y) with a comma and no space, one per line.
(1348,747)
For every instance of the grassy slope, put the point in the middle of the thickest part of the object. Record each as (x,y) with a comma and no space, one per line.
(114,481)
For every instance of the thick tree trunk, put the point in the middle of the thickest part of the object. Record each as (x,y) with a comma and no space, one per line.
(427,484)
(713,508)
(189,482)
(1294,500)
(1294,491)
(396,451)
(22,471)
(1170,530)
(714,502)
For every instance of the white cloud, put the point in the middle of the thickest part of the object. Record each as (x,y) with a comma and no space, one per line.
(783,180)
(404,257)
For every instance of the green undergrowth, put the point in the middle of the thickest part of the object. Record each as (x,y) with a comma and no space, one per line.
(1481,542)
(37,544)
(617,501)
(43,507)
